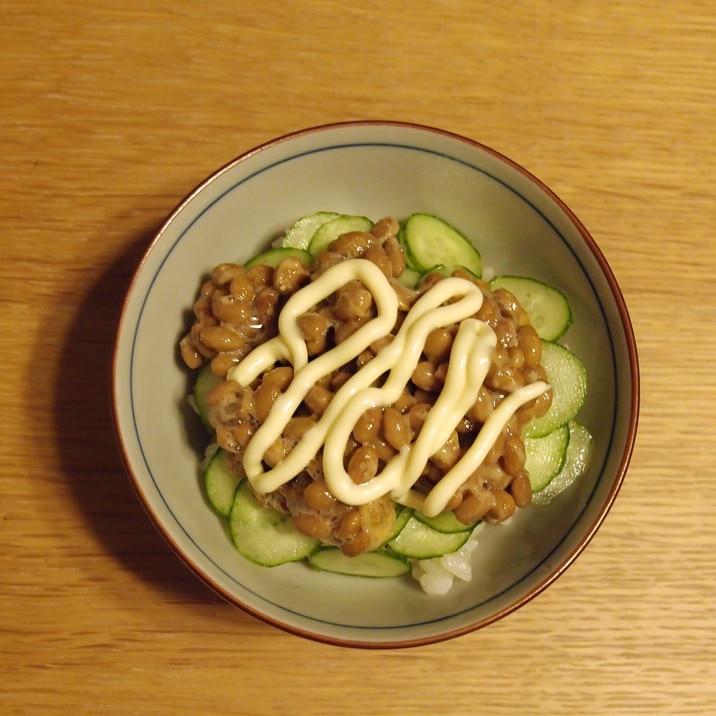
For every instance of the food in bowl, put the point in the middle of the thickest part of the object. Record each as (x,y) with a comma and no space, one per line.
(376,168)
(374,402)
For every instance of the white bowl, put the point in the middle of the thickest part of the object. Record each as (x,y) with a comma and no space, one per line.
(375,169)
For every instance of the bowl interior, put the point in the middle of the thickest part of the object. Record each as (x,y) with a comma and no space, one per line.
(375,170)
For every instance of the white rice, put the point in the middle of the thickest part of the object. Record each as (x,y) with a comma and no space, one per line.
(437,576)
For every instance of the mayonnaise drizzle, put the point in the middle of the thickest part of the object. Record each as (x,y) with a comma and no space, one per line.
(451,300)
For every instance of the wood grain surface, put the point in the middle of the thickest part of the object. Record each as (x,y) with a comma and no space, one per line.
(111,111)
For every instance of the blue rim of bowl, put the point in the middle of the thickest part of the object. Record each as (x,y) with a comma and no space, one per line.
(633,380)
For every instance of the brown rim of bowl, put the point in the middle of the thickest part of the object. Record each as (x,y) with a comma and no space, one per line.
(629,438)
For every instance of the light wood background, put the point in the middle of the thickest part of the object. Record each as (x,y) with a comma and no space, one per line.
(111,111)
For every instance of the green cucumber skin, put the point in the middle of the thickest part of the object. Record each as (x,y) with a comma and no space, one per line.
(410,277)
(446,522)
(545,456)
(576,460)
(568,377)
(379,564)
(402,517)
(328,232)
(549,309)
(206,379)
(273,257)
(300,233)
(448,271)
(264,536)
(220,483)
(420,541)
(430,241)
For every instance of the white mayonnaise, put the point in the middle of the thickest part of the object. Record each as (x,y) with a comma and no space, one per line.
(451,300)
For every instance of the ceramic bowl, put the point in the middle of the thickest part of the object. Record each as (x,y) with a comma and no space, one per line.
(374,169)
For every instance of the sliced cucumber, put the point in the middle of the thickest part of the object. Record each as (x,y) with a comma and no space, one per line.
(568,378)
(446,522)
(376,564)
(328,232)
(420,541)
(430,241)
(299,234)
(206,379)
(273,257)
(402,515)
(410,277)
(575,463)
(447,271)
(545,457)
(220,482)
(549,309)
(263,535)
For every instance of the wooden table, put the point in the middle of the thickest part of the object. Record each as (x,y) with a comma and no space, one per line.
(112,111)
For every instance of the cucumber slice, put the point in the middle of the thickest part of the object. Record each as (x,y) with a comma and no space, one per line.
(549,309)
(575,463)
(299,234)
(447,271)
(545,457)
(220,482)
(273,257)
(410,277)
(328,232)
(568,378)
(402,516)
(445,522)
(206,379)
(430,241)
(420,541)
(265,536)
(377,564)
